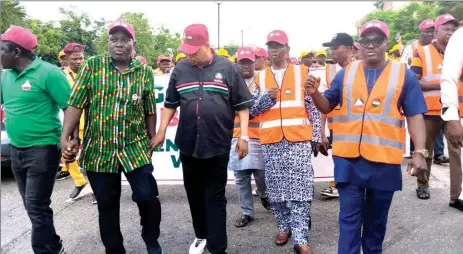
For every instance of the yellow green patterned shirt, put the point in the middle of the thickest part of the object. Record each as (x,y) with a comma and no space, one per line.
(115,105)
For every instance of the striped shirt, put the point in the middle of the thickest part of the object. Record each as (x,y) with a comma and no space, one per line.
(115,106)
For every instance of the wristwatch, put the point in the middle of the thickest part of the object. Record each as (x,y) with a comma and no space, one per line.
(245,138)
(423,152)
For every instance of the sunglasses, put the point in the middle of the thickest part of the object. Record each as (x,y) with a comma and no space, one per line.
(377,41)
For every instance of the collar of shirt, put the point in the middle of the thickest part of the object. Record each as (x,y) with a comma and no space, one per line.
(132,65)
(33,65)
(438,49)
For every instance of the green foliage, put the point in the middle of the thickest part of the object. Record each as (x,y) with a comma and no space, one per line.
(453,7)
(11,13)
(232,49)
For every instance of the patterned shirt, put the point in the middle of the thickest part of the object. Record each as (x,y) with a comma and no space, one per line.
(115,106)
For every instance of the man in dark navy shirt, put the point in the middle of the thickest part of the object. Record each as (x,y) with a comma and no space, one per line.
(209,90)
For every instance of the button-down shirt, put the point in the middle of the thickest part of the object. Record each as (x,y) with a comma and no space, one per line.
(208,98)
(115,104)
(451,75)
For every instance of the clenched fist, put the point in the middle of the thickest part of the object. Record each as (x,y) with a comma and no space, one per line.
(273,93)
(311,84)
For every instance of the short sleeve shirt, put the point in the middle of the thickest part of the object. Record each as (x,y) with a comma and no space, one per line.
(115,105)
(208,98)
(32,102)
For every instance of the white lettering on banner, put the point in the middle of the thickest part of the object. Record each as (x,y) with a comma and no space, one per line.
(166,161)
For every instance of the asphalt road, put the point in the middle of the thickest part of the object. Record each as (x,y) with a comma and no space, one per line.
(415,226)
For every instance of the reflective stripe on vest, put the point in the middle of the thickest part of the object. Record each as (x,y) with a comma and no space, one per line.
(330,74)
(377,136)
(287,118)
(431,59)
(253,128)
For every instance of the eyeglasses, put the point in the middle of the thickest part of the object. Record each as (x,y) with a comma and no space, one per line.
(377,41)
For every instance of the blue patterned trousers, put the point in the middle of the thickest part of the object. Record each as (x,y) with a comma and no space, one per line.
(293,216)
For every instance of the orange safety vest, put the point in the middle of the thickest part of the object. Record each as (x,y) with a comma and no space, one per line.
(330,74)
(253,125)
(431,72)
(460,97)
(371,125)
(288,117)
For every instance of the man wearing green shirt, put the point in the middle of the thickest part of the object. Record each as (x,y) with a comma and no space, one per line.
(33,93)
(117,94)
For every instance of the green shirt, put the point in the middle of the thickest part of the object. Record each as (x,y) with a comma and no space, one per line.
(115,106)
(32,101)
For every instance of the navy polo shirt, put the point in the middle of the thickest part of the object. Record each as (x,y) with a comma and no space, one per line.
(208,98)
(359,171)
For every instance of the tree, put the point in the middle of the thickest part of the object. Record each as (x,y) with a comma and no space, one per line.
(455,8)
(232,49)
(49,39)
(11,13)
(379,5)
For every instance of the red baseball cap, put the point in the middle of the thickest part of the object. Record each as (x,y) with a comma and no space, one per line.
(375,25)
(356,45)
(425,24)
(246,53)
(21,36)
(194,36)
(73,48)
(124,25)
(164,58)
(261,52)
(277,36)
(443,19)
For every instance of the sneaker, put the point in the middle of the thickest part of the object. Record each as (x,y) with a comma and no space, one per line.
(254,193)
(441,159)
(94,199)
(77,191)
(330,192)
(265,203)
(198,246)
(61,251)
(62,175)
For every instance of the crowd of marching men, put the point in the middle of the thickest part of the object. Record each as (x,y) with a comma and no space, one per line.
(262,114)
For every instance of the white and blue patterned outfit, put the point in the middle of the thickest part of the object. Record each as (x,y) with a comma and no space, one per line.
(288,169)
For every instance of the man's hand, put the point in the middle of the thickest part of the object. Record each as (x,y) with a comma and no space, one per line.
(157,140)
(321,148)
(455,132)
(273,93)
(311,84)
(416,164)
(69,150)
(241,148)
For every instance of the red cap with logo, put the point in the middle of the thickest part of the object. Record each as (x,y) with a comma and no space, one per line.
(356,45)
(246,53)
(195,36)
(375,25)
(124,25)
(73,48)
(443,19)
(164,58)
(278,36)
(294,60)
(141,59)
(21,36)
(261,52)
(425,24)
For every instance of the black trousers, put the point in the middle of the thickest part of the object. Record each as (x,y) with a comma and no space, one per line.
(205,181)
(34,169)
(107,190)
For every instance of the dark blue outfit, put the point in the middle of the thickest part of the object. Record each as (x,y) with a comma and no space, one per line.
(366,188)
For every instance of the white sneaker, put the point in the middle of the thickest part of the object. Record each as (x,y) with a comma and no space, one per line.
(198,246)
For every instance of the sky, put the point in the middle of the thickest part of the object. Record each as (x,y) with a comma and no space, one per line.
(307,24)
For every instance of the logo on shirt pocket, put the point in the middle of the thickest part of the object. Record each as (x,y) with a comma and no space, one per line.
(26,86)
(218,77)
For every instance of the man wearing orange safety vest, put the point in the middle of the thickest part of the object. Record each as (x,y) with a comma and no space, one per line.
(375,97)
(427,64)
(289,124)
(341,51)
(261,56)
(253,163)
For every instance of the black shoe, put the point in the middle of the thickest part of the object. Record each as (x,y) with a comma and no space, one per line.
(265,203)
(94,199)
(77,191)
(441,159)
(243,221)
(62,175)
(458,204)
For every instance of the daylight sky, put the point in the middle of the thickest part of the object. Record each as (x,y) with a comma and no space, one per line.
(308,24)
